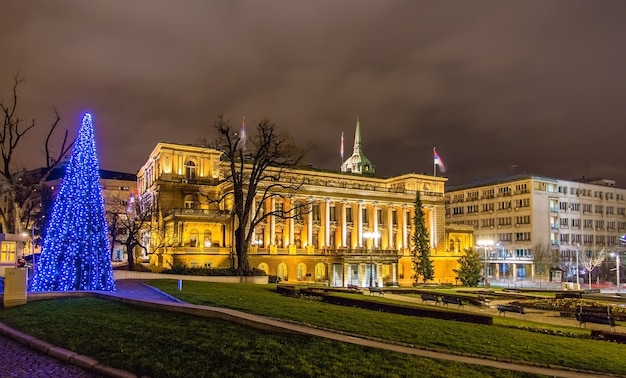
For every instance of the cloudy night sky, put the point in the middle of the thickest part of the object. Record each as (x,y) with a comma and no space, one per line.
(497,86)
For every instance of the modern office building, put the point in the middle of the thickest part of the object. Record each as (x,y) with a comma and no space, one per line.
(332,242)
(515,217)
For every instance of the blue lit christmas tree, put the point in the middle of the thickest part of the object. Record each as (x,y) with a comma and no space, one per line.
(75,252)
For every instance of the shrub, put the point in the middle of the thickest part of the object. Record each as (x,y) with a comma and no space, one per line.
(203,271)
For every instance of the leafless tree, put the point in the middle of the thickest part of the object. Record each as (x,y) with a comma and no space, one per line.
(591,260)
(128,223)
(543,258)
(256,173)
(20,187)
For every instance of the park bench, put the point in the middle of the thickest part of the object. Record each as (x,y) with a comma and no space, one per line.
(595,314)
(377,290)
(430,297)
(447,299)
(353,288)
(504,308)
(483,299)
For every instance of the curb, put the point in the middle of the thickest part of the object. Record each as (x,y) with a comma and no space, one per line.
(64,355)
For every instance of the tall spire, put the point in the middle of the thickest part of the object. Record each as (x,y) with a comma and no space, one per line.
(357,163)
(358,149)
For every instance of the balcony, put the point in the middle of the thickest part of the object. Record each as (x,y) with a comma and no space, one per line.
(218,216)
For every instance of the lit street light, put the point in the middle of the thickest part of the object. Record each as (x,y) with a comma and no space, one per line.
(617,263)
(371,236)
(485,244)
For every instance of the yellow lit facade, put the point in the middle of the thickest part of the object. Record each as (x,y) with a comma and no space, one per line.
(329,243)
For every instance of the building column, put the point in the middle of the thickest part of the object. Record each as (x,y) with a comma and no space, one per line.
(394,272)
(532,271)
(359,221)
(309,226)
(379,278)
(391,243)
(514,274)
(291,223)
(344,224)
(374,208)
(346,274)
(272,223)
(327,223)
(405,226)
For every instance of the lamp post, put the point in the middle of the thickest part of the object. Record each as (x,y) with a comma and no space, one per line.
(371,236)
(617,266)
(485,244)
(577,275)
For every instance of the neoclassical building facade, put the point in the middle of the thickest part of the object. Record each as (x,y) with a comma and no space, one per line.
(346,227)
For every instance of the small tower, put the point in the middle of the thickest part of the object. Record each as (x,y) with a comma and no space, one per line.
(358,163)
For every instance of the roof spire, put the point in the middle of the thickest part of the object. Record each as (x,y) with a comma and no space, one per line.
(358,163)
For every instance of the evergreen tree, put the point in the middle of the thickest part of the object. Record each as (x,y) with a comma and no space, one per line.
(421,245)
(75,252)
(470,268)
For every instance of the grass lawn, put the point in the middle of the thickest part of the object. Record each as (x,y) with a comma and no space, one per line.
(160,344)
(500,340)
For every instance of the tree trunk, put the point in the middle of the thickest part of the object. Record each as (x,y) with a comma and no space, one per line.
(243,266)
(130,252)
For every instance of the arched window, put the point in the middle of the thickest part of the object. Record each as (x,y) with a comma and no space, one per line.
(282,271)
(190,170)
(300,271)
(320,272)
(264,267)
(189,202)
(207,238)
(193,238)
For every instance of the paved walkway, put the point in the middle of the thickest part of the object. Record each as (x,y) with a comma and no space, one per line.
(136,292)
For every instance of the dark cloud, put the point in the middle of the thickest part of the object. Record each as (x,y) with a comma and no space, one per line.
(491,84)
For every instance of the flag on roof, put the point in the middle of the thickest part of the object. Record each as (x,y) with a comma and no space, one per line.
(438,160)
(341,147)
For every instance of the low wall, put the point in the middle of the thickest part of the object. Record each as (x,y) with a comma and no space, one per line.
(132,275)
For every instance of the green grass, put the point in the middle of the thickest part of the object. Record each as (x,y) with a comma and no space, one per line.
(500,340)
(162,344)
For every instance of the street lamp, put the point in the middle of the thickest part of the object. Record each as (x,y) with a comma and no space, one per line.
(617,263)
(577,275)
(371,236)
(485,244)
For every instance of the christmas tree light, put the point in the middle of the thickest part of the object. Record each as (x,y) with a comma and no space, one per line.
(75,252)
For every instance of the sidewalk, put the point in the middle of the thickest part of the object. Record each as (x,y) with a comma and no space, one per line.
(137,293)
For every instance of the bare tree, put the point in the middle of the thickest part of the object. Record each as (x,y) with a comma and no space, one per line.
(591,260)
(256,173)
(543,258)
(19,186)
(128,223)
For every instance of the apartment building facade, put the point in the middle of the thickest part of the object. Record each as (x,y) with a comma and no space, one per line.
(516,216)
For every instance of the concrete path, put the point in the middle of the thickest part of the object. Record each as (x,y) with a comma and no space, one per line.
(137,293)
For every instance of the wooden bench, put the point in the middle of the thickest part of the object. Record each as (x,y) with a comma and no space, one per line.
(430,297)
(447,299)
(503,309)
(483,299)
(595,314)
(378,290)
(353,288)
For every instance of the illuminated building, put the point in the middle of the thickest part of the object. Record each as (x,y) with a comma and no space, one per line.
(331,243)
(514,215)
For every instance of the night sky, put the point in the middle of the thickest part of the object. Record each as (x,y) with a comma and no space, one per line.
(497,86)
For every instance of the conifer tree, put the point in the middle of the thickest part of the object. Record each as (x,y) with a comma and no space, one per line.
(422,263)
(75,252)
(470,269)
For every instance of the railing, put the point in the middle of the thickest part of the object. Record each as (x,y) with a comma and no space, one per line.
(199,212)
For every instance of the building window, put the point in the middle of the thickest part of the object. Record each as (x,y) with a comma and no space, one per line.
(190,170)
(189,202)
(193,238)
(349,215)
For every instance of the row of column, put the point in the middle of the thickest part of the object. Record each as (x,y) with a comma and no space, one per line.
(388,239)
